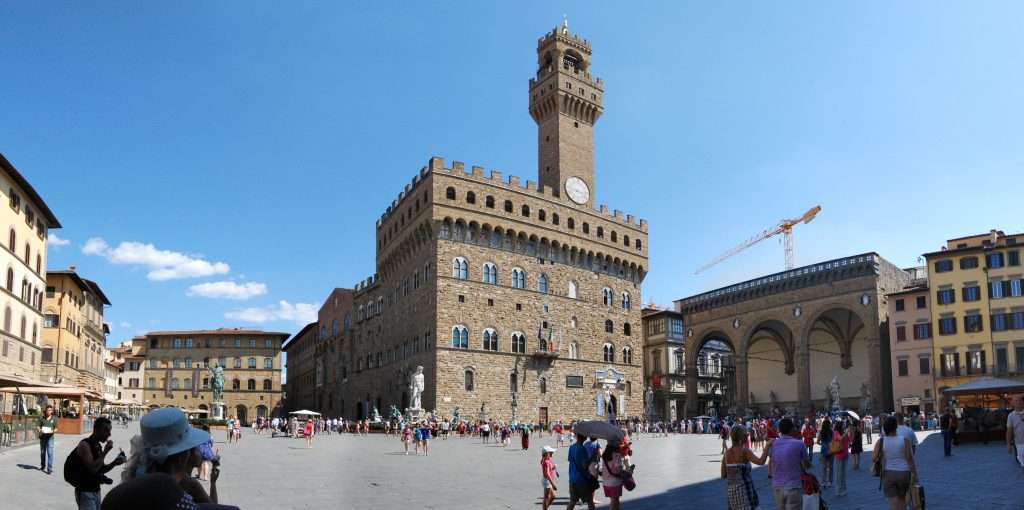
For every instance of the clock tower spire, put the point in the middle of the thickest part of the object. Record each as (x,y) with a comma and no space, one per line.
(566,102)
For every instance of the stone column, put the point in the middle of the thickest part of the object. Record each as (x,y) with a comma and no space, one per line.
(691,385)
(742,389)
(803,376)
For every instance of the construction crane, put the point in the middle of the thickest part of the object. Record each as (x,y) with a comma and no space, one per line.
(785,227)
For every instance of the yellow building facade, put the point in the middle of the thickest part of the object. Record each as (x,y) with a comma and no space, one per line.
(74,331)
(27,220)
(977,308)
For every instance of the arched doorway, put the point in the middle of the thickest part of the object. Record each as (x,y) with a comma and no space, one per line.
(612,407)
(241,413)
(837,345)
(771,378)
(261,411)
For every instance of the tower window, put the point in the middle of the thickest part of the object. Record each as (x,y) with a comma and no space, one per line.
(489,202)
(541,215)
(554,218)
(526,211)
(508,206)
(571,223)
(450,193)
(586,228)
(470,197)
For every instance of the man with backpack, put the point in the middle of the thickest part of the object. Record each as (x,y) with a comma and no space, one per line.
(85,469)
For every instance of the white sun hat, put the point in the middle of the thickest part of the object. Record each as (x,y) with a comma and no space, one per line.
(549,449)
(166,431)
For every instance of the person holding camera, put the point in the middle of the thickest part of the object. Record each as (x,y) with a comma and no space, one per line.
(85,468)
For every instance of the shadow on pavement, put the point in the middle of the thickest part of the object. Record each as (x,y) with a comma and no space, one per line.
(28,467)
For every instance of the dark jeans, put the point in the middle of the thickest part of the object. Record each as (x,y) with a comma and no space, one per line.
(810,454)
(947,442)
(46,453)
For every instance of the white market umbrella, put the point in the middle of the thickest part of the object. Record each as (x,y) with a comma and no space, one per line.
(305,413)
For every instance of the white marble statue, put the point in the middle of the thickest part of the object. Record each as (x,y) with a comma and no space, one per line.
(833,391)
(416,387)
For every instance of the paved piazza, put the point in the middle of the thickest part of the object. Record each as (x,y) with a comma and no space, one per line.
(370,472)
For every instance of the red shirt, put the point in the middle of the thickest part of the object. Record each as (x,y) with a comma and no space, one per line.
(808,433)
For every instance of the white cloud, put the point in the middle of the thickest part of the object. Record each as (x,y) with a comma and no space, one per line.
(228,290)
(299,313)
(162,264)
(53,241)
(125,325)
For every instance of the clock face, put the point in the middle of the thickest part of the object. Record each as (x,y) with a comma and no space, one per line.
(577,190)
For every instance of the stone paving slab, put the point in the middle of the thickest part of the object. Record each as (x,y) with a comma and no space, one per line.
(350,472)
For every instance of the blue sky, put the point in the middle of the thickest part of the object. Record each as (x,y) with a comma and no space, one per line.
(218,150)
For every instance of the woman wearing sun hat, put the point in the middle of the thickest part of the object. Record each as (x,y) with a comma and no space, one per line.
(169,444)
(549,473)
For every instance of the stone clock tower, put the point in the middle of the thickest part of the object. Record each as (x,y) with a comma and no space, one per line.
(566,102)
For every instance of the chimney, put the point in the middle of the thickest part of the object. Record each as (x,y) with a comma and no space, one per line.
(995,236)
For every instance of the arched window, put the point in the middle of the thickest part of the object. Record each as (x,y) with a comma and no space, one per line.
(10,280)
(7,319)
(541,215)
(543,385)
(468,377)
(508,206)
(470,197)
(489,202)
(609,353)
(626,329)
(554,218)
(614,237)
(251,385)
(606,296)
(460,268)
(268,363)
(627,304)
(252,362)
(39,264)
(639,245)
(238,362)
(490,273)
(586,228)
(460,337)
(28,254)
(609,326)
(518,343)
(571,223)
(449,193)
(526,210)
(572,290)
(24,327)
(490,340)
(446,229)
(574,351)
(627,355)
(268,385)
(513,382)
(542,283)
(13,241)
(600,232)
(572,322)
(625,241)
(518,278)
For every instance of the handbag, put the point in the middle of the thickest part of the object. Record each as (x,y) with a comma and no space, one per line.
(916,495)
(835,447)
(878,464)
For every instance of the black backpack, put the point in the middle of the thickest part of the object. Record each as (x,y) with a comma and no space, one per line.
(73,468)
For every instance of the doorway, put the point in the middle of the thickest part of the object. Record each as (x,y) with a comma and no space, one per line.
(543,417)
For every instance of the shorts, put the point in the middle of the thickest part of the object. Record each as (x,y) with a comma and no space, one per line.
(895,483)
(583,493)
(546,484)
(613,491)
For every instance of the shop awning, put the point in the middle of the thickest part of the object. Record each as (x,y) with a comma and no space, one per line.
(50,391)
(987,386)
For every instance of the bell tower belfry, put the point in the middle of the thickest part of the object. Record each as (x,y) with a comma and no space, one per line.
(566,102)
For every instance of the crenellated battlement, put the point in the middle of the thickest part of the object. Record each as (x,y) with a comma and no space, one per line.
(497,178)
(564,35)
(367,283)
(512,182)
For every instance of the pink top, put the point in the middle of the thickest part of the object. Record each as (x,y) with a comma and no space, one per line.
(845,441)
(547,468)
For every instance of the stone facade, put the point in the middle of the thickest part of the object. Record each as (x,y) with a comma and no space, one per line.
(792,332)
(301,361)
(459,250)
(177,370)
